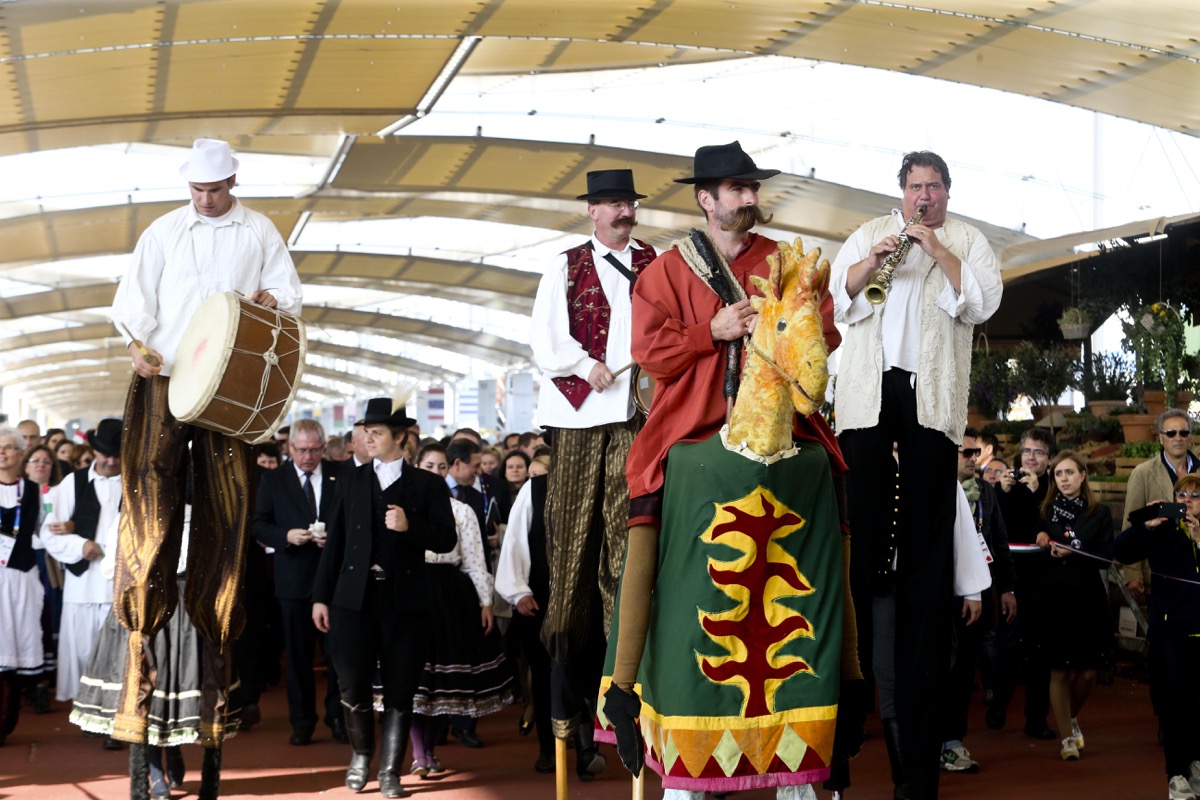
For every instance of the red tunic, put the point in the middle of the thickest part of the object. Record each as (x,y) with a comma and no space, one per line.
(672,309)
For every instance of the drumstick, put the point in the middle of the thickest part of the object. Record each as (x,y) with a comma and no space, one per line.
(622,369)
(152,360)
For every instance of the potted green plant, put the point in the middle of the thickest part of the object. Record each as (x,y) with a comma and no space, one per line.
(1154,334)
(1107,382)
(1075,323)
(992,390)
(1044,373)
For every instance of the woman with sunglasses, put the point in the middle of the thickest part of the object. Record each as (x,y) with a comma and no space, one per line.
(1172,550)
(1078,633)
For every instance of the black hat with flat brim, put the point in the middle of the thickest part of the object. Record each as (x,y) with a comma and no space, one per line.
(106,438)
(380,412)
(610,184)
(716,162)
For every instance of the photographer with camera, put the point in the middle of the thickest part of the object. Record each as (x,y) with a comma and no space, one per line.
(1021,493)
(1169,545)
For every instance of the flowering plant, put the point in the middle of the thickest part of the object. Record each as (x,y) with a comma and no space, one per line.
(1154,334)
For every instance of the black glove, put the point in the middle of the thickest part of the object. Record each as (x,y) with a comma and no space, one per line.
(854,702)
(622,710)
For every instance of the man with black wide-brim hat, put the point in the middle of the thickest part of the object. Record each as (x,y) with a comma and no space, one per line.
(78,532)
(372,594)
(582,319)
(691,310)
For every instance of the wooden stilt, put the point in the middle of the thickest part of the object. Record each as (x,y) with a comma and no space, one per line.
(560,769)
(639,785)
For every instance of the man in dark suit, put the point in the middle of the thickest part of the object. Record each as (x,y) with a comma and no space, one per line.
(290,511)
(464,456)
(372,591)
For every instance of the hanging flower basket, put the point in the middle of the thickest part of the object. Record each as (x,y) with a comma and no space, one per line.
(1075,323)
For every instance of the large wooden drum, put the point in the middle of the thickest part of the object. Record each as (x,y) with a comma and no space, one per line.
(238,368)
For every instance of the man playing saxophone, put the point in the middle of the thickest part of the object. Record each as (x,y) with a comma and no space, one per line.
(903,378)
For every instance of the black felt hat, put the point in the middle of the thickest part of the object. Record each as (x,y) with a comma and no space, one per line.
(106,439)
(380,412)
(715,162)
(610,184)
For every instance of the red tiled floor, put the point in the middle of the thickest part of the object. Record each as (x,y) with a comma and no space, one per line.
(48,759)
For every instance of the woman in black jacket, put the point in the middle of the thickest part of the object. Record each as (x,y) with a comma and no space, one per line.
(1170,545)
(1078,634)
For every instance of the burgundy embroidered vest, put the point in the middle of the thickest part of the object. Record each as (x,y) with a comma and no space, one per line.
(589,310)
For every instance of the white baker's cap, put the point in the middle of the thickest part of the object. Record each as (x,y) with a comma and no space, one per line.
(211,161)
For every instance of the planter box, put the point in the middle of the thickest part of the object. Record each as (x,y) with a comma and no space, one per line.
(1125,467)
(1109,491)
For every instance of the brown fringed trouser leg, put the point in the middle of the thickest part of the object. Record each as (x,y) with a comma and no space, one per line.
(587,507)
(154,481)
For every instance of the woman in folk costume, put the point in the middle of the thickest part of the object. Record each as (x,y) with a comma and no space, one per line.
(21,594)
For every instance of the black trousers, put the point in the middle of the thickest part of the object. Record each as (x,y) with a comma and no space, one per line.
(956,701)
(527,631)
(1174,665)
(376,635)
(301,638)
(928,471)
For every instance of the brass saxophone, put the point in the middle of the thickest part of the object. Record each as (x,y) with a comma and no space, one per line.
(876,291)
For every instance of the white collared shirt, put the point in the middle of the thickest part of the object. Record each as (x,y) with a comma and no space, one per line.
(316,480)
(92,586)
(181,261)
(558,355)
(388,472)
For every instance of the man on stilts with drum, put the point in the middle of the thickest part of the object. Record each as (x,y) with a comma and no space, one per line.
(212,245)
(581,324)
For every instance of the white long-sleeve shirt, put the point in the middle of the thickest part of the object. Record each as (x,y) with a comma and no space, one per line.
(558,355)
(183,259)
(512,567)
(92,586)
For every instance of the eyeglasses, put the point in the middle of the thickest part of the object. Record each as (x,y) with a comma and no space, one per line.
(1034,451)
(1187,495)
(8,447)
(41,462)
(309,451)
(1172,433)
(970,452)
(617,205)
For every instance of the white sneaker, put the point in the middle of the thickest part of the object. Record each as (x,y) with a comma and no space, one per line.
(1077,734)
(1179,789)
(1194,777)
(1070,750)
(958,759)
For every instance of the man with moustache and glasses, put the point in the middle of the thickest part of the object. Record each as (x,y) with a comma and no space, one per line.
(581,324)
(683,327)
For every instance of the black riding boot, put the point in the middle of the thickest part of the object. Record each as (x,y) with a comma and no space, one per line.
(396,725)
(360,727)
(210,774)
(891,737)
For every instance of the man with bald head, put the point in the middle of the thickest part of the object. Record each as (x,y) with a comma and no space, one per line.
(31,431)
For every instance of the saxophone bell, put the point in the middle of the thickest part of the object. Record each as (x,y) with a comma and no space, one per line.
(877,290)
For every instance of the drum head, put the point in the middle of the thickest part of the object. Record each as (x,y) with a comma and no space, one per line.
(202,357)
